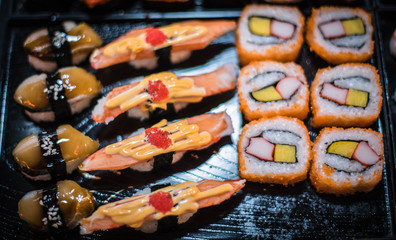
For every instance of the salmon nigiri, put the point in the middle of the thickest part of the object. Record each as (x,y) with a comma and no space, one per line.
(143,211)
(157,91)
(162,144)
(149,46)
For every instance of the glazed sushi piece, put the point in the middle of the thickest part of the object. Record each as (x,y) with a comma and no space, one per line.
(152,46)
(267,89)
(60,45)
(143,212)
(274,150)
(52,155)
(347,161)
(163,93)
(267,32)
(94,3)
(54,210)
(340,35)
(58,96)
(348,95)
(161,145)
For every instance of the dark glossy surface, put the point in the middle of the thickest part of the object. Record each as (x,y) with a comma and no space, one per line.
(258,211)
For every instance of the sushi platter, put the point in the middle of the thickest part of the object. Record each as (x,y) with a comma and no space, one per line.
(258,210)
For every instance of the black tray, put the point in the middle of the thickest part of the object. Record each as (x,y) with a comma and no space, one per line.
(259,210)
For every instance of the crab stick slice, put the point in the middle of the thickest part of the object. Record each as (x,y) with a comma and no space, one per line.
(336,94)
(282,30)
(332,29)
(288,86)
(261,148)
(365,154)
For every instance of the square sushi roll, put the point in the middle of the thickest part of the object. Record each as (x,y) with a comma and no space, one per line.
(269,88)
(348,95)
(346,161)
(340,35)
(274,150)
(267,32)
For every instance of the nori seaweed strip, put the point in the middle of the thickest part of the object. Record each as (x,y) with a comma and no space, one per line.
(57,97)
(166,223)
(52,154)
(163,161)
(59,44)
(164,56)
(159,112)
(53,216)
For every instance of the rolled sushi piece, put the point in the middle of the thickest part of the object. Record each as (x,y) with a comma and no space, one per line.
(60,45)
(161,145)
(52,155)
(268,88)
(57,209)
(340,34)
(143,212)
(274,150)
(58,96)
(163,93)
(348,95)
(392,44)
(347,161)
(153,46)
(267,32)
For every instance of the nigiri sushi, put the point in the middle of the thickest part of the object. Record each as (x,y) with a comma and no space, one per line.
(161,145)
(54,209)
(148,47)
(60,45)
(144,211)
(50,97)
(161,91)
(51,155)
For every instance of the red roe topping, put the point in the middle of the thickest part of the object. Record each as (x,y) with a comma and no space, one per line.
(157,90)
(155,37)
(158,137)
(161,201)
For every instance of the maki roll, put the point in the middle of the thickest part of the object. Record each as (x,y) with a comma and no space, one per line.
(161,145)
(54,210)
(274,150)
(268,32)
(51,155)
(143,212)
(153,46)
(57,96)
(348,95)
(60,45)
(268,88)
(347,161)
(163,93)
(340,35)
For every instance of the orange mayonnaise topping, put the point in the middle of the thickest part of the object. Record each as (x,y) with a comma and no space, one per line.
(184,136)
(175,33)
(180,90)
(134,211)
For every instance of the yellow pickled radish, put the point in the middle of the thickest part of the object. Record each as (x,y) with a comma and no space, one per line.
(353,26)
(343,148)
(260,26)
(357,98)
(267,94)
(285,153)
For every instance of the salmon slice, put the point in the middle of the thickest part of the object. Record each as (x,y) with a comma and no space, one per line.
(98,221)
(217,125)
(215,29)
(218,81)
